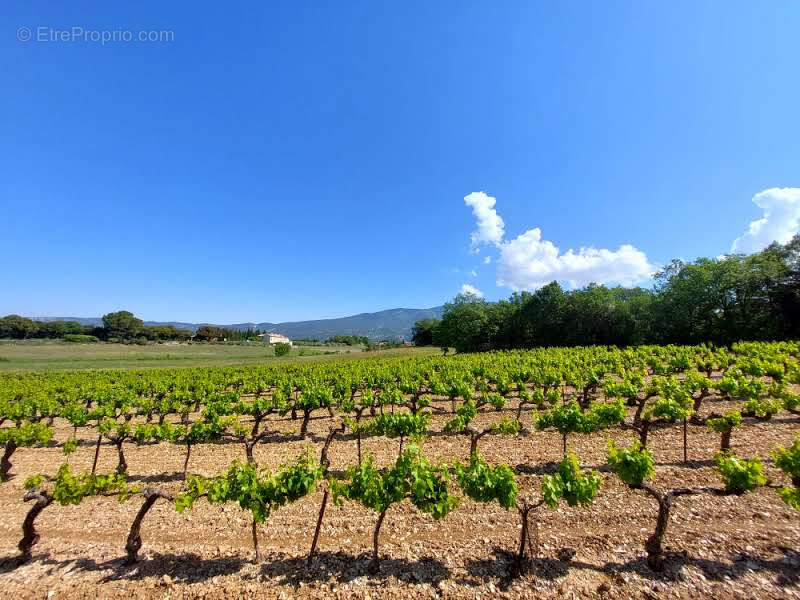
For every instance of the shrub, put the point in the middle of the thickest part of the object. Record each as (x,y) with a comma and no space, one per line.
(574,486)
(606,414)
(484,483)
(791,402)
(80,338)
(739,475)
(790,495)
(788,461)
(282,349)
(761,409)
(507,426)
(70,446)
(670,410)
(725,423)
(633,465)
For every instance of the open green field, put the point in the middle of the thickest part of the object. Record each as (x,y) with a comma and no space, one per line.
(53,355)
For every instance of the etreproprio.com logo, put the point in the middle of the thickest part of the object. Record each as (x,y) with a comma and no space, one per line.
(93,36)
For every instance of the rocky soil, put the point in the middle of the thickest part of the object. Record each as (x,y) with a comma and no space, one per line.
(720,546)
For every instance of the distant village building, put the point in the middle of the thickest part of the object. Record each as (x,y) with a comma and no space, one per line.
(274,338)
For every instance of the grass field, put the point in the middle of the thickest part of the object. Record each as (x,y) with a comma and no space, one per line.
(47,355)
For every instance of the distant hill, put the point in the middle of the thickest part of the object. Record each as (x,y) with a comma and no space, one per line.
(385,324)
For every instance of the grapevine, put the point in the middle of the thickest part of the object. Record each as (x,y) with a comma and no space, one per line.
(573,391)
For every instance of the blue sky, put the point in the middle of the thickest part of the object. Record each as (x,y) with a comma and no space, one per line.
(311,159)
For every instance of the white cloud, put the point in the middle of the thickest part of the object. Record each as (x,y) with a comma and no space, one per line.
(528,262)
(473,273)
(487,260)
(780,222)
(490,226)
(471,290)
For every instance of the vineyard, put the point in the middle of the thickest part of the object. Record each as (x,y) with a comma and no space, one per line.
(655,471)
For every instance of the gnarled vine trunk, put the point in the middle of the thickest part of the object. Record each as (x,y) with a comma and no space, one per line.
(525,537)
(255,539)
(584,398)
(473,443)
(375,564)
(685,443)
(134,541)
(304,424)
(29,535)
(186,460)
(519,409)
(696,419)
(96,453)
(325,462)
(637,416)
(317,528)
(725,441)
(644,429)
(654,544)
(248,451)
(122,464)
(5,461)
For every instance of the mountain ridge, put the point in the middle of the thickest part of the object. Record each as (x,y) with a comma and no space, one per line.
(385,324)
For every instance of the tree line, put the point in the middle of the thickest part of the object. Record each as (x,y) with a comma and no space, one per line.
(19,328)
(120,326)
(349,340)
(124,326)
(723,300)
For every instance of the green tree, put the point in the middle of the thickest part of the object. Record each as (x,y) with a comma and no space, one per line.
(209,333)
(721,300)
(466,325)
(16,327)
(539,318)
(737,297)
(122,325)
(422,332)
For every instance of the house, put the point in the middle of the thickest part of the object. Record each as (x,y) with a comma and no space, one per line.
(274,338)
